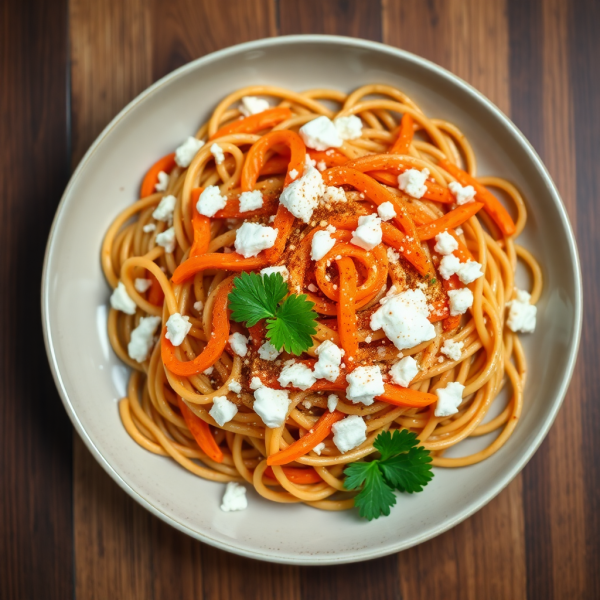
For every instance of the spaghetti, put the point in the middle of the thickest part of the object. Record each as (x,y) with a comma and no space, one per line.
(192,270)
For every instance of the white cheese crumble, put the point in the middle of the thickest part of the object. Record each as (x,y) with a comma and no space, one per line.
(368,233)
(364,384)
(166,239)
(121,300)
(386,211)
(222,410)
(467,271)
(334,194)
(282,270)
(449,399)
(403,318)
(271,406)
(349,128)
(296,374)
(452,349)
(393,255)
(186,152)
(332,402)
(330,359)
(412,181)
(142,285)
(210,201)
(320,134)
(319,448)
(149,227)
(321,165)
(198,305)
(251,105)
(250,200)
(142,338)
(268,352)
(235,386)
(301,197)
(404,371)
(252,238)
(462,194)
(218,153)
(164,210)
(460,301)
(293,174)
(234,497)
(177,328)
(321,243)
(208,371)
(445,243)
(521,315)
(163,182)
(312,288)
(239,344)
(349,433)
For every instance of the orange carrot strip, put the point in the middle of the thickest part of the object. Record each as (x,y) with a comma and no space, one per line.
(296,475)
(399,396)
(405,136)
(451,220)
(201,431)
(331,157)
(213,349)
(166,164)
(493,206)
(156,295)
(346,309)
(284,221)
(308,441)
(253,123)
(453,283)
(201,227)
(216,260)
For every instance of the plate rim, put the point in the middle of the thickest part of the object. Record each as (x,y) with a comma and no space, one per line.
(365,554)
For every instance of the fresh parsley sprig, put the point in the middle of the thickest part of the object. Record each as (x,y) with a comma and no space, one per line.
(403,466)
(290,320)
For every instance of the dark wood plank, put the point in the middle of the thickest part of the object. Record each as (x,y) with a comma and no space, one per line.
(35,438)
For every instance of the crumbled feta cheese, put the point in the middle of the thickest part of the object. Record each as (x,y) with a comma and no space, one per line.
(404,371)
(142,338)
(467,271)
(298,375)
(239,344)
(166,239)
(319,448)
(222,410)
(208,371)
(234,497)
(459,231)
(186,152)
(522,315)
(334,194)
(349,433)
(349,128)
(445,243)
(149,227)
(163,182)
(217,153)
(271,406)
(177,328)
(403,318)
(164,210)
(330,359)
(268,352)
(449,399)
(368,233)
(452,349)
(255,383)
(198,305)
(386,211)
(251,238)
(250,200)
(312,288)
(412,181)
(460,301)
(120,300)
(392,255)
(364,384)
(282,270)
(462,194)
(251,105)
(321,165)
(320,134)
(301,197)
(293,174)
(332,402)
(210,201)
(321,244)
(142,285)
(235,386)
(309,162)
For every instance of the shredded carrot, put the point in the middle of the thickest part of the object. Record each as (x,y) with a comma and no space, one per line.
(405,136)
(451,220)
(308,441)
(166,164)
(453,283)
(346,309)
(156,295)
(492,205)
(201,226)
(399,396)
(331,157)
(254,123)
(296,475)
(201,432)
(216,260)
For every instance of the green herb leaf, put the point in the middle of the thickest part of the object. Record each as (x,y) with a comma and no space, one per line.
(294,325)
(389,444)
(376,497)
(409,472)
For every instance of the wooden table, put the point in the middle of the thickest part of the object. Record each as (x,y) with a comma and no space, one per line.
(66,530)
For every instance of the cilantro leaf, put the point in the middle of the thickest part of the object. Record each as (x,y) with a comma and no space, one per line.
(409,472)
(293,326)
(253,298)
(356,473)
(376,497)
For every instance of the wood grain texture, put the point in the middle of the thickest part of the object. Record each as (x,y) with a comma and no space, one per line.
(35,433)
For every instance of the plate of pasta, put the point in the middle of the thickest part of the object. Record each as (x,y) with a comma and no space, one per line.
(312,300)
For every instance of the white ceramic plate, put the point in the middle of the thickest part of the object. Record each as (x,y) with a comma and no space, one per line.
(91,379)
